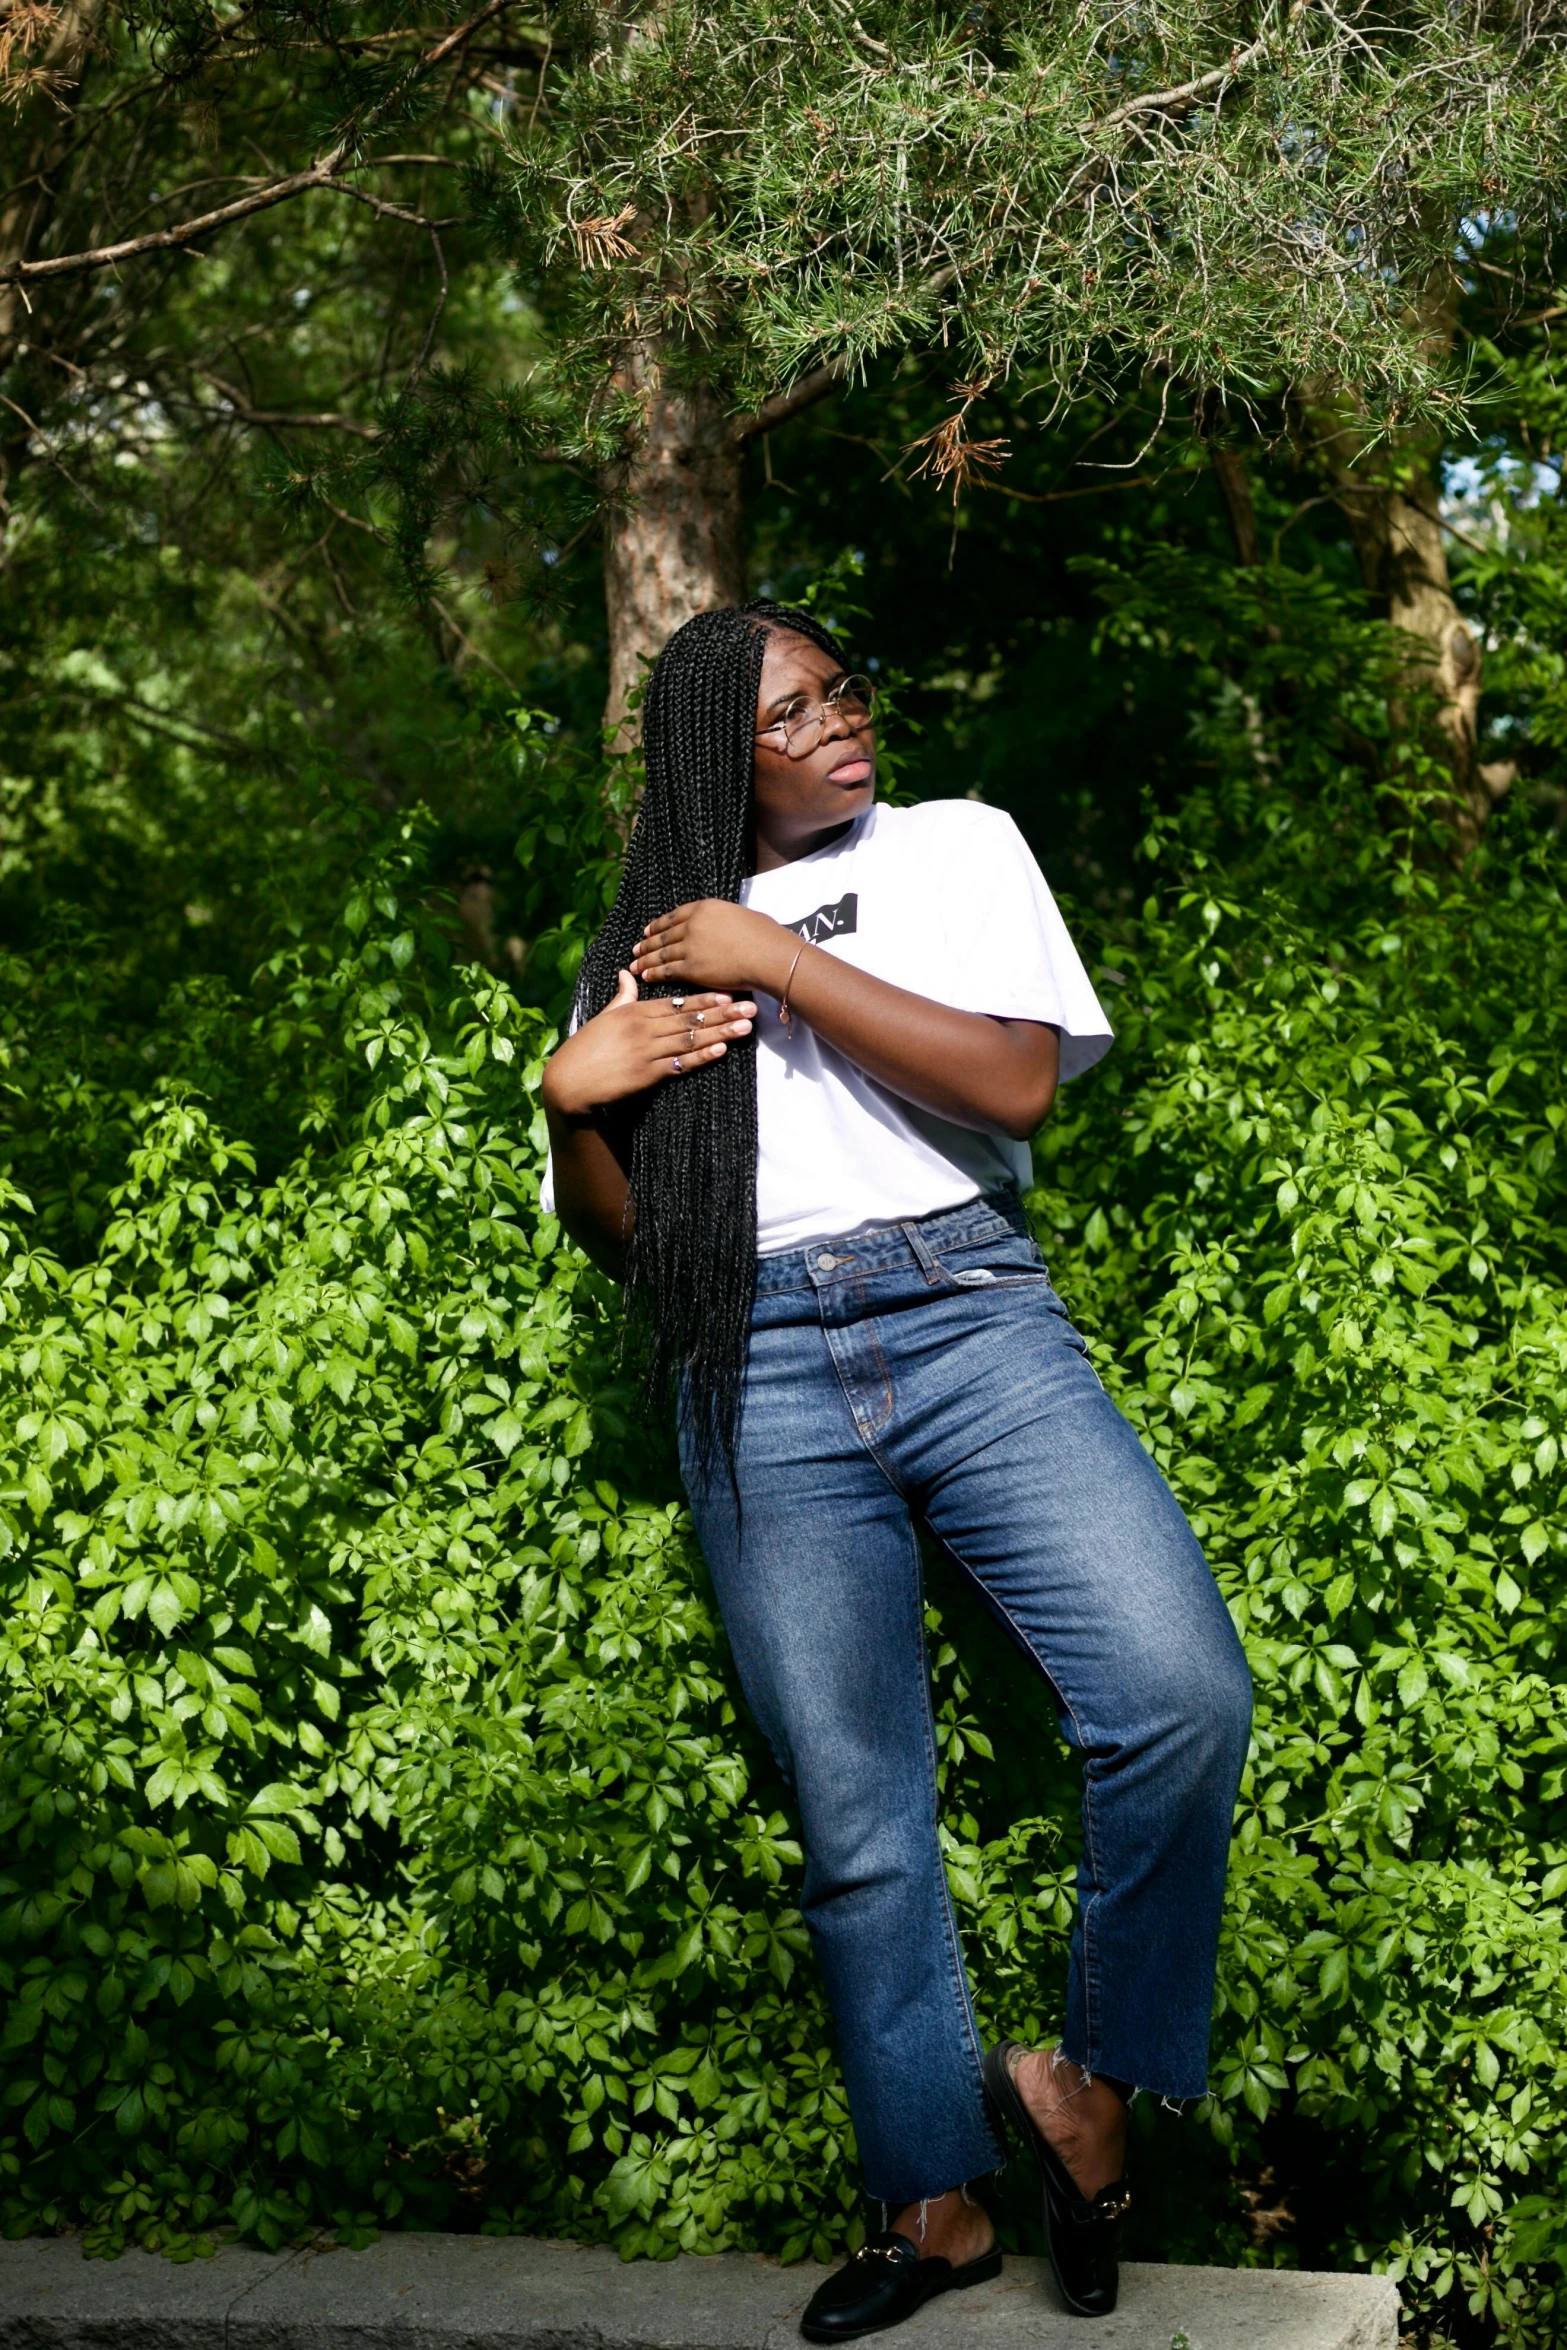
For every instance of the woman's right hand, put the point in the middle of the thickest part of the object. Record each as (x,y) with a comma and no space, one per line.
(632,1044)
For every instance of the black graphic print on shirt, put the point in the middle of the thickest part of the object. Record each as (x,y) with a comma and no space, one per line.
(829,921)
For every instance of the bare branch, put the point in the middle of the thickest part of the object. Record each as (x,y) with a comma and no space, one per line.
(435,316)
(475,652)
(1184,92)
(379,204)
(239,411)
(820,381)
(319,174)
(370,529)
(454,39)
(181,730)
(783,405)
(185,232)
(1092,489)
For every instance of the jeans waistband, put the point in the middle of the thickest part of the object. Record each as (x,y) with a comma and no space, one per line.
(884,1248)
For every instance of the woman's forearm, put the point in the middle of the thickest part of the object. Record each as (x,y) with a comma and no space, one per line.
(966,1066)
(592,1196)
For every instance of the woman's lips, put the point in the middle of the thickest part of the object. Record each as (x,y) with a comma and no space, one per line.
(851,771)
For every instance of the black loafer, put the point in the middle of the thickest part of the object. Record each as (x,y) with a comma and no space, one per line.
(1082,2233)
(882,2284)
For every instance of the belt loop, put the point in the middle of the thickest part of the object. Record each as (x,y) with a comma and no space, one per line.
(922,1255)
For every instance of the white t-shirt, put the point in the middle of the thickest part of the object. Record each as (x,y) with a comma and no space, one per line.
(943,899)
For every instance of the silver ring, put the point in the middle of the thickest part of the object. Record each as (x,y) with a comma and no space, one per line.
(691,1041)
(699,1017)
(675,1066)
(679,1002)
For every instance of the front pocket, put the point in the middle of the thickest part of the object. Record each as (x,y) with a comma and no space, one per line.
(1000,1277)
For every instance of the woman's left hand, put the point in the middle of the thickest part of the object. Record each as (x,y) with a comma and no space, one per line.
(711,943)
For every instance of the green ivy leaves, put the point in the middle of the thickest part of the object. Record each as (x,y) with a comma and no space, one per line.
(380,1838)
(364,1763)
(1332,1295)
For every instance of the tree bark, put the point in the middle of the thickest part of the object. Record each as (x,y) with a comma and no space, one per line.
(1390,500)
(674,540)
(1229,470)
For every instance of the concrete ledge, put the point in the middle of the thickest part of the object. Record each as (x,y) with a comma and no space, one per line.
(510,2293)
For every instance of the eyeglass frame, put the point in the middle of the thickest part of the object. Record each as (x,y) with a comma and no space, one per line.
(865,699)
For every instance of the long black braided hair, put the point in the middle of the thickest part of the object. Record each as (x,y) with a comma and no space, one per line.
(691,1272)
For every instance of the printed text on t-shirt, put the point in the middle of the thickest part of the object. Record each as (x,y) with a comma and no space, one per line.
(835,921)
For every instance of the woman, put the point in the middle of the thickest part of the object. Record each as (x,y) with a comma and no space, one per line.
(810,1045)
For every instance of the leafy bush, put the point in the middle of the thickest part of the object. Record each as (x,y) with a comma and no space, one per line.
(381,1841)
(379,1835)
(1314,1209)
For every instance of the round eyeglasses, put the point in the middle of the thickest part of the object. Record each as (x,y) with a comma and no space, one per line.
(803,723)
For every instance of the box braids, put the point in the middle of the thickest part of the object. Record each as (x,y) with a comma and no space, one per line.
(691,1271)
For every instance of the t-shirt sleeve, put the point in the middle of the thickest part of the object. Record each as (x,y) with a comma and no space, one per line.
(1007,950)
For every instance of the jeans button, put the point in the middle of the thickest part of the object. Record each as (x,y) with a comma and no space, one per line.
(826,1264)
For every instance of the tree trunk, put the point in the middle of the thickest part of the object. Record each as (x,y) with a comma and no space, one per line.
(1229,471)
(673,533)
(1389,498)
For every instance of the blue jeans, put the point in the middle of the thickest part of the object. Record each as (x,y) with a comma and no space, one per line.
(928,1370)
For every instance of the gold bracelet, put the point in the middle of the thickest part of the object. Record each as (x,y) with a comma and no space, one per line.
(784,1013)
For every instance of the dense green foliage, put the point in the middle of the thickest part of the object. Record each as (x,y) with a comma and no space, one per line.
(379,1821)
(381,1840)
(1318,1208)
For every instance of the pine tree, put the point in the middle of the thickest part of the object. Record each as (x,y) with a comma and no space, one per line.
(724,210)
(760,203)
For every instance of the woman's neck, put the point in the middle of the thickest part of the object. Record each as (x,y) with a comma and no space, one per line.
(767,855)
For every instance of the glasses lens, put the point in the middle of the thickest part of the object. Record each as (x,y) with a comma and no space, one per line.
(802,722)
